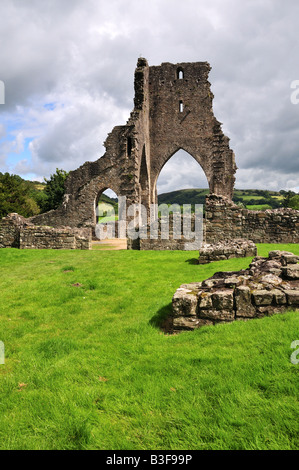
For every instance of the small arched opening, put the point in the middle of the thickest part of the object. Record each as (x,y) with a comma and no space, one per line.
(108,229)
(144,179)
(180,73)
(106,206)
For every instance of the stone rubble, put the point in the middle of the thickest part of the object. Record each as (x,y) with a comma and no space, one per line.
(269,285)
(226,249)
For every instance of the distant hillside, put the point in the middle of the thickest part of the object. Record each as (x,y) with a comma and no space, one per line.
(184,196)
(255,199)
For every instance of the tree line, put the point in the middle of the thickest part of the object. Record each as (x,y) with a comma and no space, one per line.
(29,198)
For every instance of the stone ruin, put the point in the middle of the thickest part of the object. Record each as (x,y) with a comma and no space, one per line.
(226,249)
(18,232)
(173,110)
(270,285)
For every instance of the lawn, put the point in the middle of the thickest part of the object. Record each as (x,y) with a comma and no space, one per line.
(87,367)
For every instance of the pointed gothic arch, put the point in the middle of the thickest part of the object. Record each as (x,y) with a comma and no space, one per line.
(182,166)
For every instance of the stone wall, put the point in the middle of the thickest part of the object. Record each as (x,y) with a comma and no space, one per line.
(10,227)
(226,220)
(226,249)
(270,285)
(17,232)
(66,238)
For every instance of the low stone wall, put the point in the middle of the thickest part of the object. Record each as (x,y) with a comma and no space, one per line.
(169,235)
(270,285)
(226,249)
(226,220)
(17,232)
(66,238)
(171,244)
(10,227)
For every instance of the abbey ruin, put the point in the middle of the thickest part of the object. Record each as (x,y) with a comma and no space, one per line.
(172,111)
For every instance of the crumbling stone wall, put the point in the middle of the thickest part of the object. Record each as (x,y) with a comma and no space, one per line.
(270,285)
(43,237)
(17,232)
(224,219)
(226,249)
(10,228)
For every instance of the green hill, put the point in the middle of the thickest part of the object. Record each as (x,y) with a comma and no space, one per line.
(255,199)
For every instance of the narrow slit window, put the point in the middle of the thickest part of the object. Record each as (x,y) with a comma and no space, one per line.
(180,74)
(129,146)
(181,107)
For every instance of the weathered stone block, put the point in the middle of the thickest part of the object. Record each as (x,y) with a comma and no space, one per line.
(205,300)
(293,297)
(244,307)
(187,323)
(279,297)
(223,299)
(262,297)
(291,271)
(217,315)
(184,303)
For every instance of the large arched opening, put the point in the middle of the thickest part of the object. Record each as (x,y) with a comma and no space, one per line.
(181,181)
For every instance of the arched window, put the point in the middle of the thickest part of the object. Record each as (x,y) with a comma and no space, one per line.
(180,73)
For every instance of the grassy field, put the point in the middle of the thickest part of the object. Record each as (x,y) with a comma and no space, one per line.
(256,207)
(87,367)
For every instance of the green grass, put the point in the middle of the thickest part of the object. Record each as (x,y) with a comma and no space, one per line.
(256,207)
(87,367)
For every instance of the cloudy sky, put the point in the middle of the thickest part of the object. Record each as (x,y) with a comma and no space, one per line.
(68,69)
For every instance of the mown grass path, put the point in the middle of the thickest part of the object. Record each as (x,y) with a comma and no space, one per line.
(87,367)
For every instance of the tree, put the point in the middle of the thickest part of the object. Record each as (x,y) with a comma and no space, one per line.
(15,196)
(54,191)
(287,198)
(294,202)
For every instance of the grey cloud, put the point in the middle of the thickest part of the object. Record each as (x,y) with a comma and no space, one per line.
(88,51)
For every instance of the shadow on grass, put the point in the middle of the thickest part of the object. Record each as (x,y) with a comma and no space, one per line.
(163,319)
(192,261)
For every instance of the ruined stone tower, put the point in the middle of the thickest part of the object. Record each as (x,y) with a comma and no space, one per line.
(172,111)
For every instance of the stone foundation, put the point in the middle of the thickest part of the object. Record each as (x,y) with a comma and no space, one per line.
(17,232)
(270,285)
(226,249)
